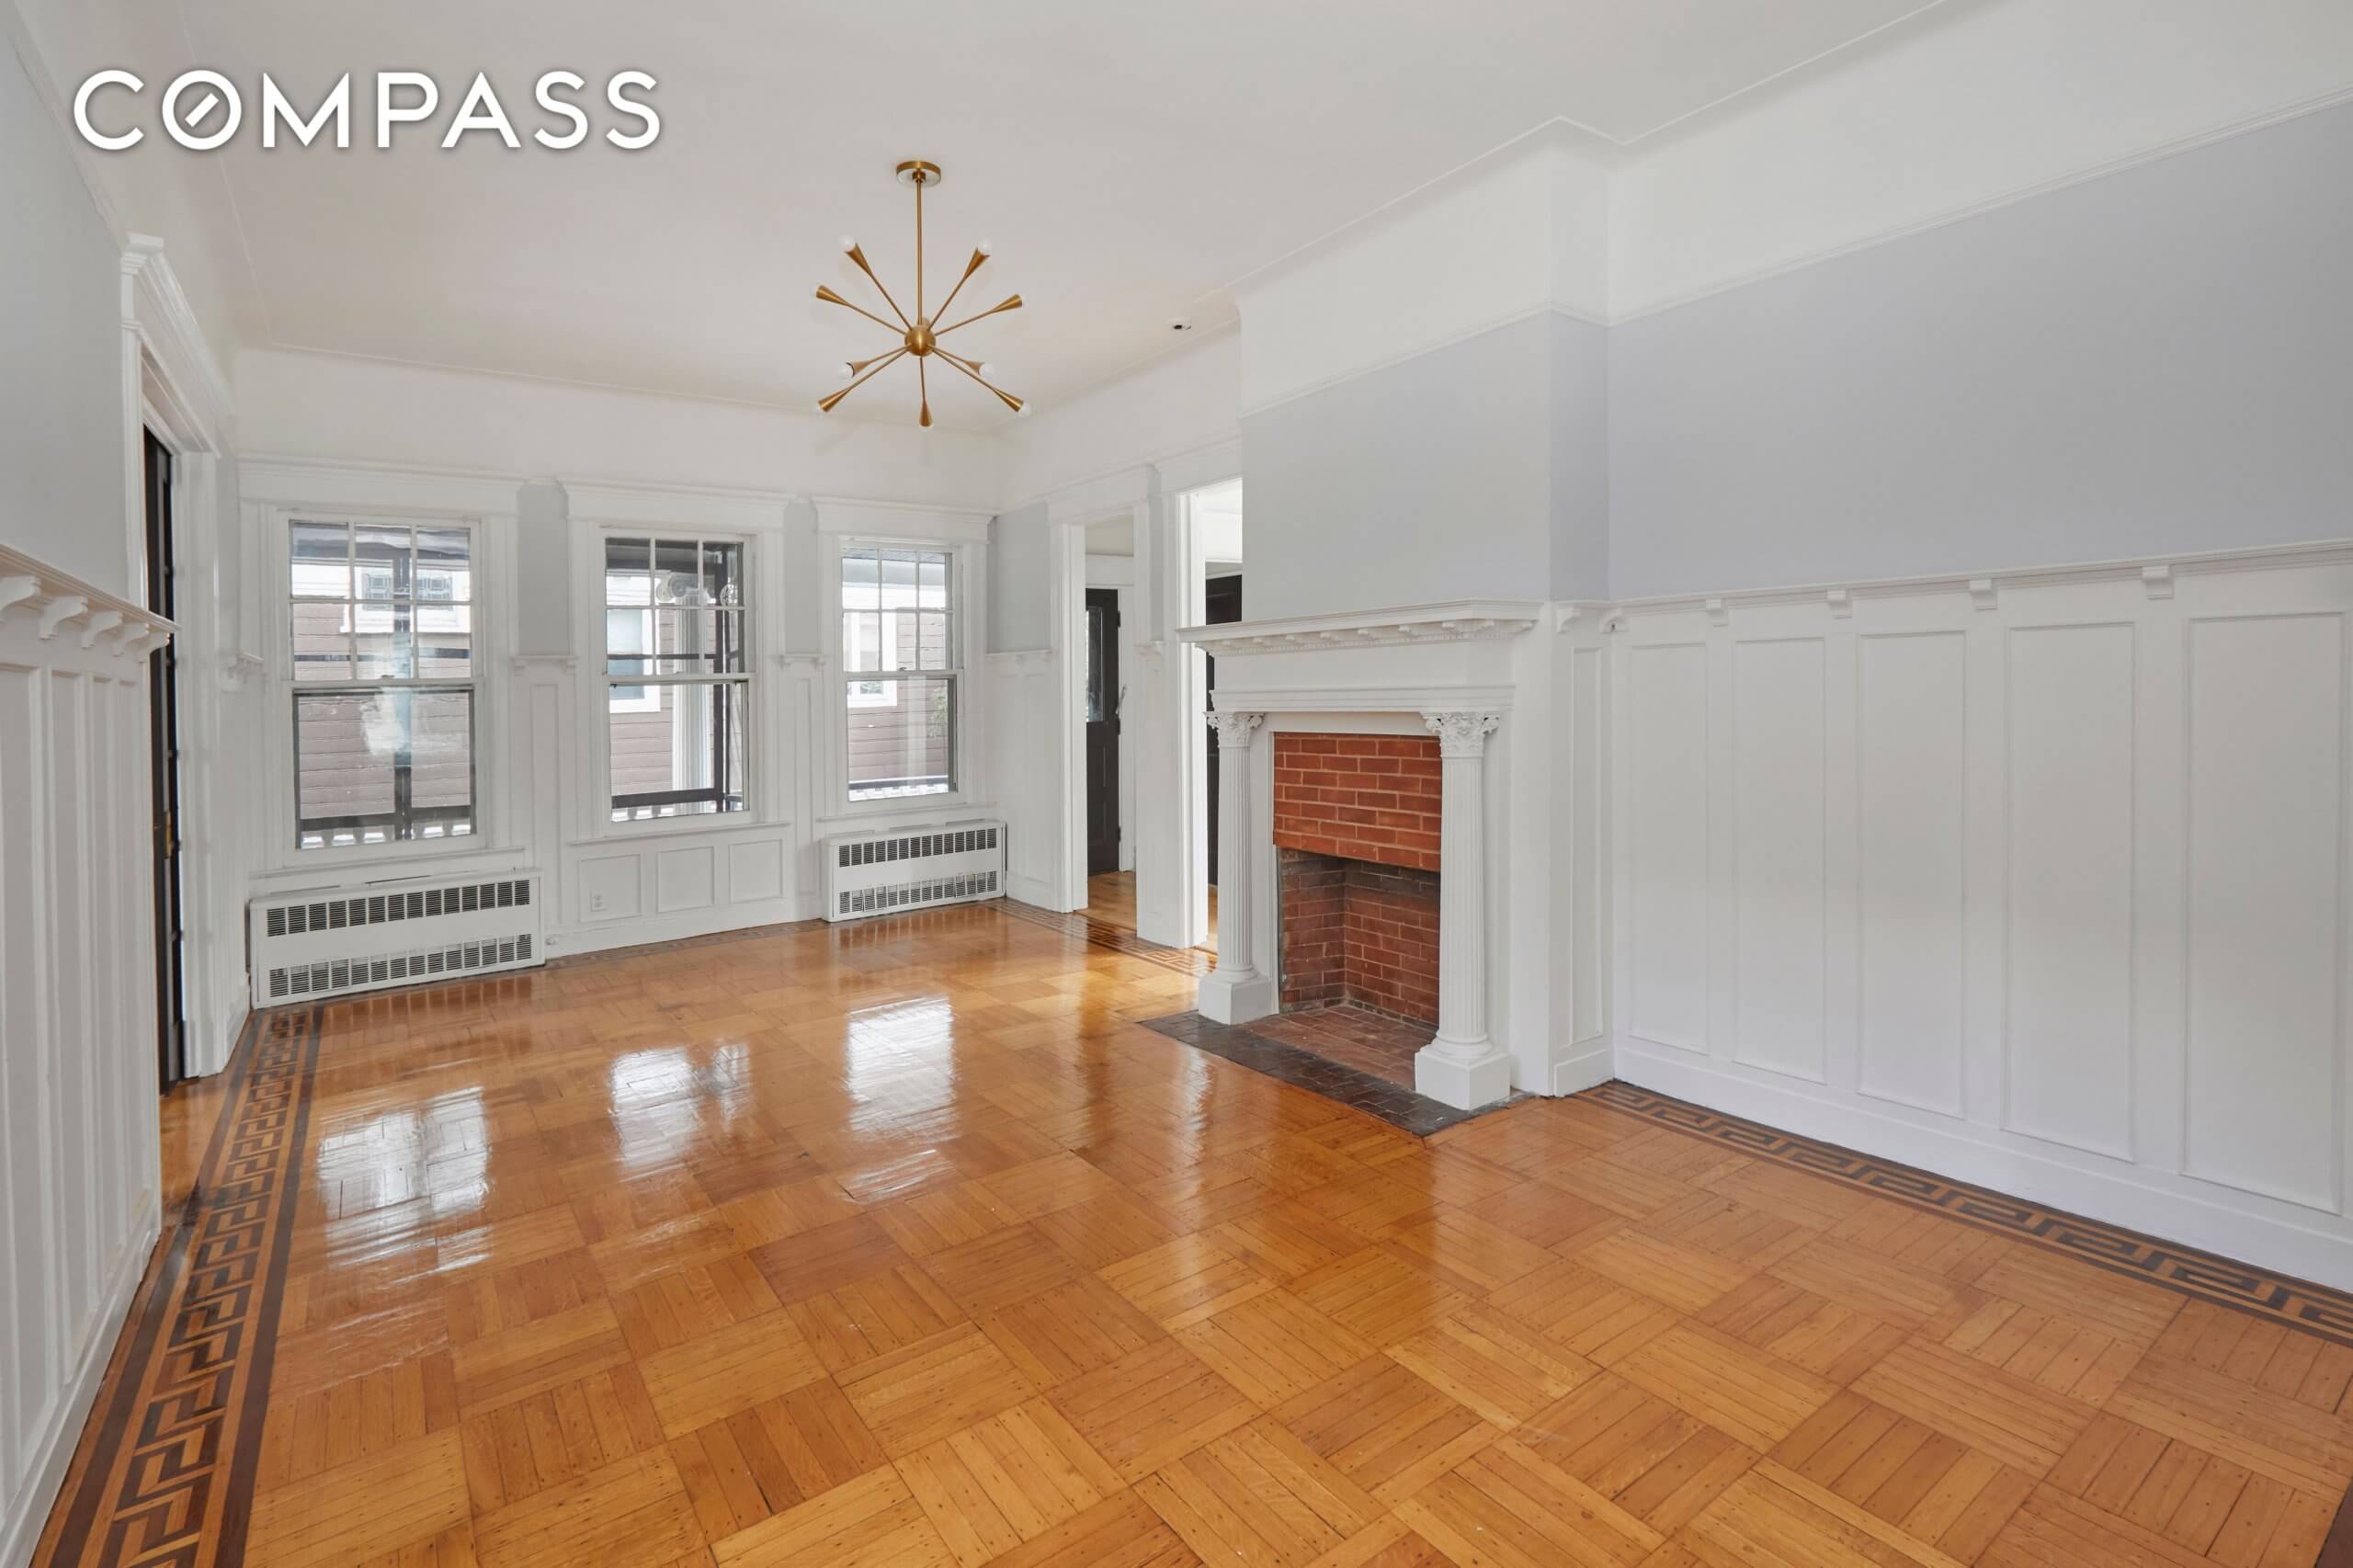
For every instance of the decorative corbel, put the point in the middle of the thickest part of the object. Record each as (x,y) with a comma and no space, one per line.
(98,625)
(1842,604)
(1716,614)
(59,610)
(1982,594)
(15,591)
(2157,581)
(132,638)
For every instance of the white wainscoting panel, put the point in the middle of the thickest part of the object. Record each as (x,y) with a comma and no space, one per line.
(2039,881)
(2266,895)
(1025,700)
(78,1139)
(1912,869)
(1779,850)
(1666,824)
(2068,1040)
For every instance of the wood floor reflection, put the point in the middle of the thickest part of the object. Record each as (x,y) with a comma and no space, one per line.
(902,1243)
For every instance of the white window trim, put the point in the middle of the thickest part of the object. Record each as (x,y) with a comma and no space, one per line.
(967,562)
(762,604)
(491,563)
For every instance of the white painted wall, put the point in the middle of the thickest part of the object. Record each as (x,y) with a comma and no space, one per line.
(60,402)
(2042,886)
(1969,107)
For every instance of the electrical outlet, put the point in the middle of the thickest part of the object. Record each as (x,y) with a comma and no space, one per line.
(596,904)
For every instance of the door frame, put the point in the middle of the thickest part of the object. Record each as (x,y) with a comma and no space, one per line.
(172,385)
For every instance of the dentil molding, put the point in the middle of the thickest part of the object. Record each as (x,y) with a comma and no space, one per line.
(1457,621)
(59,602)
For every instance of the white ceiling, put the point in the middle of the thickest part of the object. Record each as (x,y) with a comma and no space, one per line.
(1130,162)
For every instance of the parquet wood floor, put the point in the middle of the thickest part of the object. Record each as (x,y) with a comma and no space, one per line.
(901,1244)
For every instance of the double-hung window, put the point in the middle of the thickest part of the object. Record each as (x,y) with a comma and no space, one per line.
(900,661)
(676,677)
(380,620)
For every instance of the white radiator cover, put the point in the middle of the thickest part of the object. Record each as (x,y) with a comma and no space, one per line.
(885,871)
(333,941)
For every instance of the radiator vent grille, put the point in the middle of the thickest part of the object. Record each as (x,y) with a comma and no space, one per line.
(323,978)
(915,846)
(378,909)
(912,895)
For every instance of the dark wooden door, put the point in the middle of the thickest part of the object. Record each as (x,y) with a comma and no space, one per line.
(1103,696)
(164,765)
(1221,605)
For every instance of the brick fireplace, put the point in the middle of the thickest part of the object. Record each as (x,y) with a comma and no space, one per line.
(1365,737)
(1356,837)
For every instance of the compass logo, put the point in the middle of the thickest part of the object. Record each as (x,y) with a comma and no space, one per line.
(204,110)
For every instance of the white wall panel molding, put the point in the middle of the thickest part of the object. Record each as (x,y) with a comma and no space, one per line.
(2051,896)
(79,1144)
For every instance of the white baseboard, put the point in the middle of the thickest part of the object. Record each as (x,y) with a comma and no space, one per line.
(2159,1204)
(52,1449)
(1586,1065)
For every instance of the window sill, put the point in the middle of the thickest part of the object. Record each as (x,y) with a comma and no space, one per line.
(903,808)
(605,830)
(390,862)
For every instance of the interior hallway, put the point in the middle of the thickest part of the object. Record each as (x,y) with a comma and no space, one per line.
(1111,901)
(900,1243)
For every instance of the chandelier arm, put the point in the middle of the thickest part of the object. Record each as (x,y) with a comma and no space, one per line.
(969,268)
(859,258)
(1010,400)
(1014,304)
(832,299)
(922,384)
(871,371)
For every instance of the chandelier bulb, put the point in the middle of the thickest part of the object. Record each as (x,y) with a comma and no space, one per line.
(848,369)
(849,244)
(985,248)
(1023,412)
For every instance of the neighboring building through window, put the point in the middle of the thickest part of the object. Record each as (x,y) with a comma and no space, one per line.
(382,626)
(901,664)
(677,678)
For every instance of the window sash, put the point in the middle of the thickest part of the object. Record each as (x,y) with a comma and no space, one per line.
(405,821)
(900,619)
(684,586)
(400,574)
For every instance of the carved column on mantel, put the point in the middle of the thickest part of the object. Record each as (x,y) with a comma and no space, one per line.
(1236,992)
(1462,1066)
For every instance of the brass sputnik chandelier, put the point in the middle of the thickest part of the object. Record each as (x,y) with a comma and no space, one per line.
(919,337)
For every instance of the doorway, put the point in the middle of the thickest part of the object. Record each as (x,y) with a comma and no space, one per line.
(164,765)
(1105,695)
(1221,605)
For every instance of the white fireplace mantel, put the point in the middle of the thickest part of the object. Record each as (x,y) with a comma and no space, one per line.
(1466,671)
(1454,620)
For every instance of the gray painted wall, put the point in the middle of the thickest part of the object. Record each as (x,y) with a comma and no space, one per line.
(1423,480)
(1492,455)
(544,588)
(60,332)
(1580,393)
(2159,360)
(1020,563)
